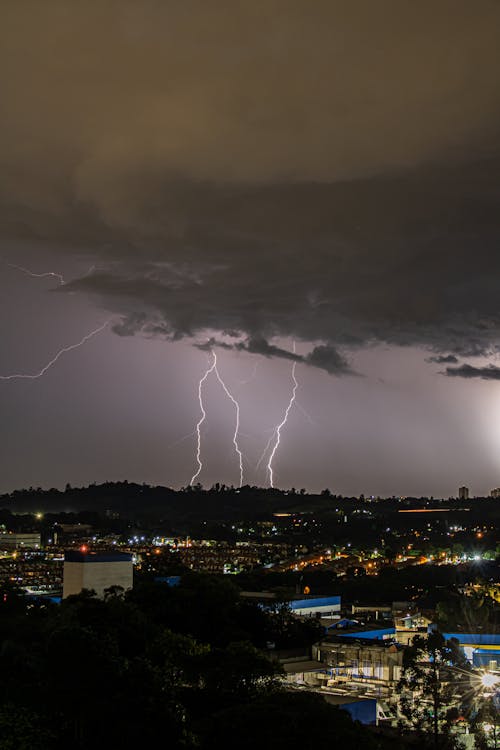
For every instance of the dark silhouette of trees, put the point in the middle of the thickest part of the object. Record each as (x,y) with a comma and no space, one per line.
(154,662)
(486,726)
(286,720)
(433,671)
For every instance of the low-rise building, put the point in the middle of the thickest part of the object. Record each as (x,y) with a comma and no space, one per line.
(328,606)
(410,625)
(376,611)
(356,663)
(352,629)
(12,540)
(481,649)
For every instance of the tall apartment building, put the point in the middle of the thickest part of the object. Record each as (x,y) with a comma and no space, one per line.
(96,571)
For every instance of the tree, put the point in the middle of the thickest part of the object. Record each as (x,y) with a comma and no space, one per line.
(434,670)
(486,726)
(240,672)
(287,720)
(125,670)
(114,591)
(22,729)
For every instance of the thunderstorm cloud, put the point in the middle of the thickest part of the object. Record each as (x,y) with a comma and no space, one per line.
(328,175)
(442,359)
(490,372)
(322,356)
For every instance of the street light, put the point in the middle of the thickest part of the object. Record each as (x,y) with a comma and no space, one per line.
(489,680)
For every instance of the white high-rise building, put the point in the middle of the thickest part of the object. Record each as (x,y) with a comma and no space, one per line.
(96,571)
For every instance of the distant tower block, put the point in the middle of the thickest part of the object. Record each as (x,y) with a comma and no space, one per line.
(463,493)
(97,571)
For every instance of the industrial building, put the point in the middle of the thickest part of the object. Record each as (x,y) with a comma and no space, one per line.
(357,671)
(327,606)
(371,664)
(481,649)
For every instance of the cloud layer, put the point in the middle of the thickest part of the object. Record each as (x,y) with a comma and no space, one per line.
(323,356)
(490,372)
(258,169)
(442,359)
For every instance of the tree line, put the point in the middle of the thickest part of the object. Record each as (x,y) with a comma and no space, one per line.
(182,667)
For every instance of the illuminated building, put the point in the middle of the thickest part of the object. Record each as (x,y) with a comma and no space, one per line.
(374,663)
(12,540)
(325,605)
(482,650)
(96,571)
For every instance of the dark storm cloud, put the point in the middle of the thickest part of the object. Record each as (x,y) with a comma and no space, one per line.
(324,357)
(407,259)
(329,359)
(259,168)
(491,372)
(444,359)
(259,345)
(212,343)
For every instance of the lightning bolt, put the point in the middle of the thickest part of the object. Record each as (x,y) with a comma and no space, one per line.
(54,275)
(252,376)
(44,275)
(201,420)
(180,440)
(304,412)
(263,455)
(34,376)
(237,423)
(277,432)
(213,368)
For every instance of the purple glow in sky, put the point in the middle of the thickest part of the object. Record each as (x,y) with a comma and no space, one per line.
(230,180)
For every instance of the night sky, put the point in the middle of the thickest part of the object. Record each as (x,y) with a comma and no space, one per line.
(274,182)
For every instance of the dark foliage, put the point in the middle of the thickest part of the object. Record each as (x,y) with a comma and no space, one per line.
(185,664)
(434,670)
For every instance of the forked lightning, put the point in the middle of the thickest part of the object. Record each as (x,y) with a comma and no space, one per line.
(54,275)
(213,368)
(279,427)
(34,376)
